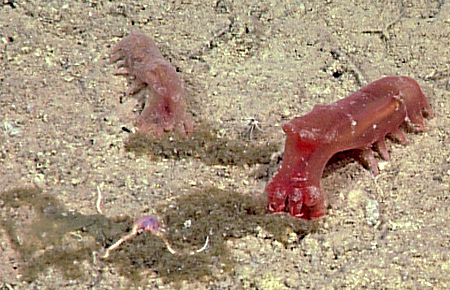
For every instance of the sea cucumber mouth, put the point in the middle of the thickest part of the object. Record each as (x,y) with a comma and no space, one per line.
(274,207)
(297,211)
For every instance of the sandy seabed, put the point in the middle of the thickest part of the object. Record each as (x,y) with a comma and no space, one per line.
(63,114)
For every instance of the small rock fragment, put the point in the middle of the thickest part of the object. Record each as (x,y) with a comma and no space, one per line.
(372,213)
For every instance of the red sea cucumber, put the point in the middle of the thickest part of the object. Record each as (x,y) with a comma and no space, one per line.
(138,56)
(360,121)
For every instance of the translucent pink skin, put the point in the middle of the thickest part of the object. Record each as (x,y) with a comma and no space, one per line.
(138,56)
(361,120)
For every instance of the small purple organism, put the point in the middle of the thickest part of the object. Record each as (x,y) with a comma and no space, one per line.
(144,224)
(148,223)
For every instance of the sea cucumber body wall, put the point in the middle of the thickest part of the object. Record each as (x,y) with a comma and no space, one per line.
(138,56)
(359,121)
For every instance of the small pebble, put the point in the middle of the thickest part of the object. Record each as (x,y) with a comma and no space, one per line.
(12,129)
(372,213)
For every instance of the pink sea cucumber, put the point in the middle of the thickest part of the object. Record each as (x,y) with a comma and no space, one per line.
(360,121)
(138,56)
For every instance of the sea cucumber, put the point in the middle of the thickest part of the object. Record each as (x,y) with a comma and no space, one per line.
(138,56)
(360,121)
